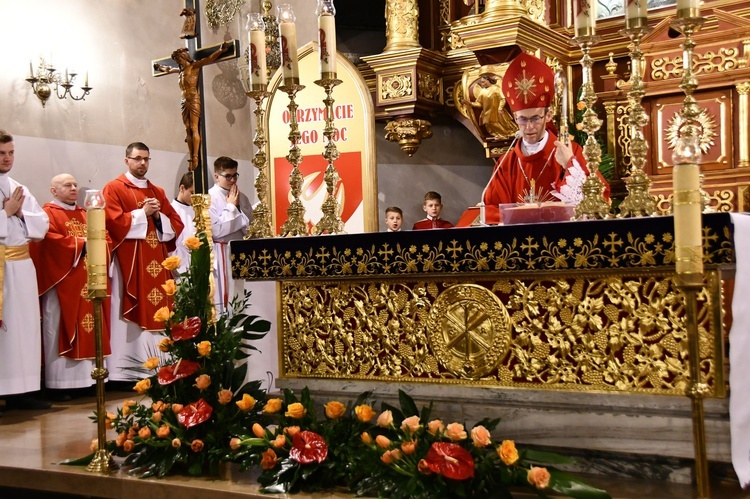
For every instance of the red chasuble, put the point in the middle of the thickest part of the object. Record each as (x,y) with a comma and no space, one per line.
(428,223)
(140,259)
(55,259)
(513,177)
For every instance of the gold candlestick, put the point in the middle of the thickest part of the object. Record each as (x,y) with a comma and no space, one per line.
(261,225)
(331,222)
(688,236)
(96,269)
(202,222)
(639,201)
(295,223)
(593,205)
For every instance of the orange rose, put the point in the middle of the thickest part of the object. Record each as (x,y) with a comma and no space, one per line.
(382,441)
(291,431)
(408,448)
(121,438)
(364,413)
(94,445)
(435,426)
(128,446)
(171,263)
(507,452)
(225,396)
(423,467)
(163,431)
(144,432)
(247,403)
(156,417)
(385,419)
(177,408)
(396,454)
(386,457)
(142,386)
(272,406)
(159,406)
(268,460)
(108,422)
(296,411)
(151,363)
(480,436)
(279,441)
(259,431)
(126,407)
(176,443)
(580,105)
(196,445)
(165,344)
(334,409)
(538,477)
(202,382)
(235,444)
(455,431)
(411,425)
(163,314)
(204,348)
(192,243)
(366,438)
(169,287)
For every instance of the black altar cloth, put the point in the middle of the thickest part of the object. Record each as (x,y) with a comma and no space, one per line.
(596,245)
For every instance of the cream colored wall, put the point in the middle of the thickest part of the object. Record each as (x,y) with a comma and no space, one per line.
(115,41)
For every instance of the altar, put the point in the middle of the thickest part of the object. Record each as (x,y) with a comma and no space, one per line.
(573,333)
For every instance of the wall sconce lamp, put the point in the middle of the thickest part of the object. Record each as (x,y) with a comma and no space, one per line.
(45,77)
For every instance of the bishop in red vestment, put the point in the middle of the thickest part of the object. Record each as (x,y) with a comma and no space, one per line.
(539,167)
(67,314)
(143,226)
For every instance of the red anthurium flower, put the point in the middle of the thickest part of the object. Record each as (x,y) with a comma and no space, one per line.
(187,329)
(195,413)
(308,447)
(182,369)
(450,460)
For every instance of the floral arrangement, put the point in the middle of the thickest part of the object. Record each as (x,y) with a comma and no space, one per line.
(400,453)
(194,394)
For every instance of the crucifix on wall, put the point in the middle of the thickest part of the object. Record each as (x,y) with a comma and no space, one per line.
(189,62)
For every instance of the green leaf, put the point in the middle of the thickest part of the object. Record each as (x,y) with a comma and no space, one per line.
(81,461)
(407,404)
(544,457)
(567,484)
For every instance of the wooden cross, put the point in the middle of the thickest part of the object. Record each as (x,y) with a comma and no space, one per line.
(167,65)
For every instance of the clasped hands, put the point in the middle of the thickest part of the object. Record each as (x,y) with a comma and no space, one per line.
(14,203)
(151,206)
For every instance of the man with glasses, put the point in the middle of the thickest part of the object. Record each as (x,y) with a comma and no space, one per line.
(229,211)
(540,167)
(143,227)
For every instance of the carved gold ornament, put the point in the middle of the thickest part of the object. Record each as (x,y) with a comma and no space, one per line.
(396,86)
(706,130)
(408,133)
(221,12)
(710,61)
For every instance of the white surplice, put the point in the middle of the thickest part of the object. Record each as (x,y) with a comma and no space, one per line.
(227,224)
(187,214)
(20,335)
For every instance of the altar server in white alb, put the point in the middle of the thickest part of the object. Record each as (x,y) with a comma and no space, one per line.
(21,220)
(182,204)
(230,216)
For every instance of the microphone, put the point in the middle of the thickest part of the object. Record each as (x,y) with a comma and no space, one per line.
(482,214)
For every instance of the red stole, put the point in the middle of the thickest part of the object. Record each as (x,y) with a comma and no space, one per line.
(140,259)
(54,258)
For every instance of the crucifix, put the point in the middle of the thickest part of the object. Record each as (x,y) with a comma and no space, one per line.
(189,62)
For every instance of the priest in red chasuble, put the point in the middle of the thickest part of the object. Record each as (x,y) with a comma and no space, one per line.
(143,227)
(67,315)
(538,167)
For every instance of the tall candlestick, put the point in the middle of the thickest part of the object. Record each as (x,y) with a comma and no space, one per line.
(585,18)
(327,38)
(257,38)
(636,13)
(288,41)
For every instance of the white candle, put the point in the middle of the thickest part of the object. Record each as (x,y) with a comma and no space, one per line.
(585,17)
(687,219)
(96,248)
(688,5)
(288,41)
(636,12)
(66,75)
(86,81)
(257,57)
(31,70)
(327,43)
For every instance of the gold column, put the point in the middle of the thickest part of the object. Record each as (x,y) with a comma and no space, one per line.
(609,109)
(500,9)
(261,225)
(401,25)
(744,90)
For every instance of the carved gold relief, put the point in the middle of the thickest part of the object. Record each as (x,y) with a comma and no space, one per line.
(428,86)
(724,59)
(395,86)
(409,133)
(623,134)
(706,130)
(621,333)
(722,200)
(479,97)
(401,24)
(534,9)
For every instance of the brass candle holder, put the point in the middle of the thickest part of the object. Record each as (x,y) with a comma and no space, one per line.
(593,205)
(261,225)
(639,201)
(202,221)
(331,222)
(295,223)
(688,236)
